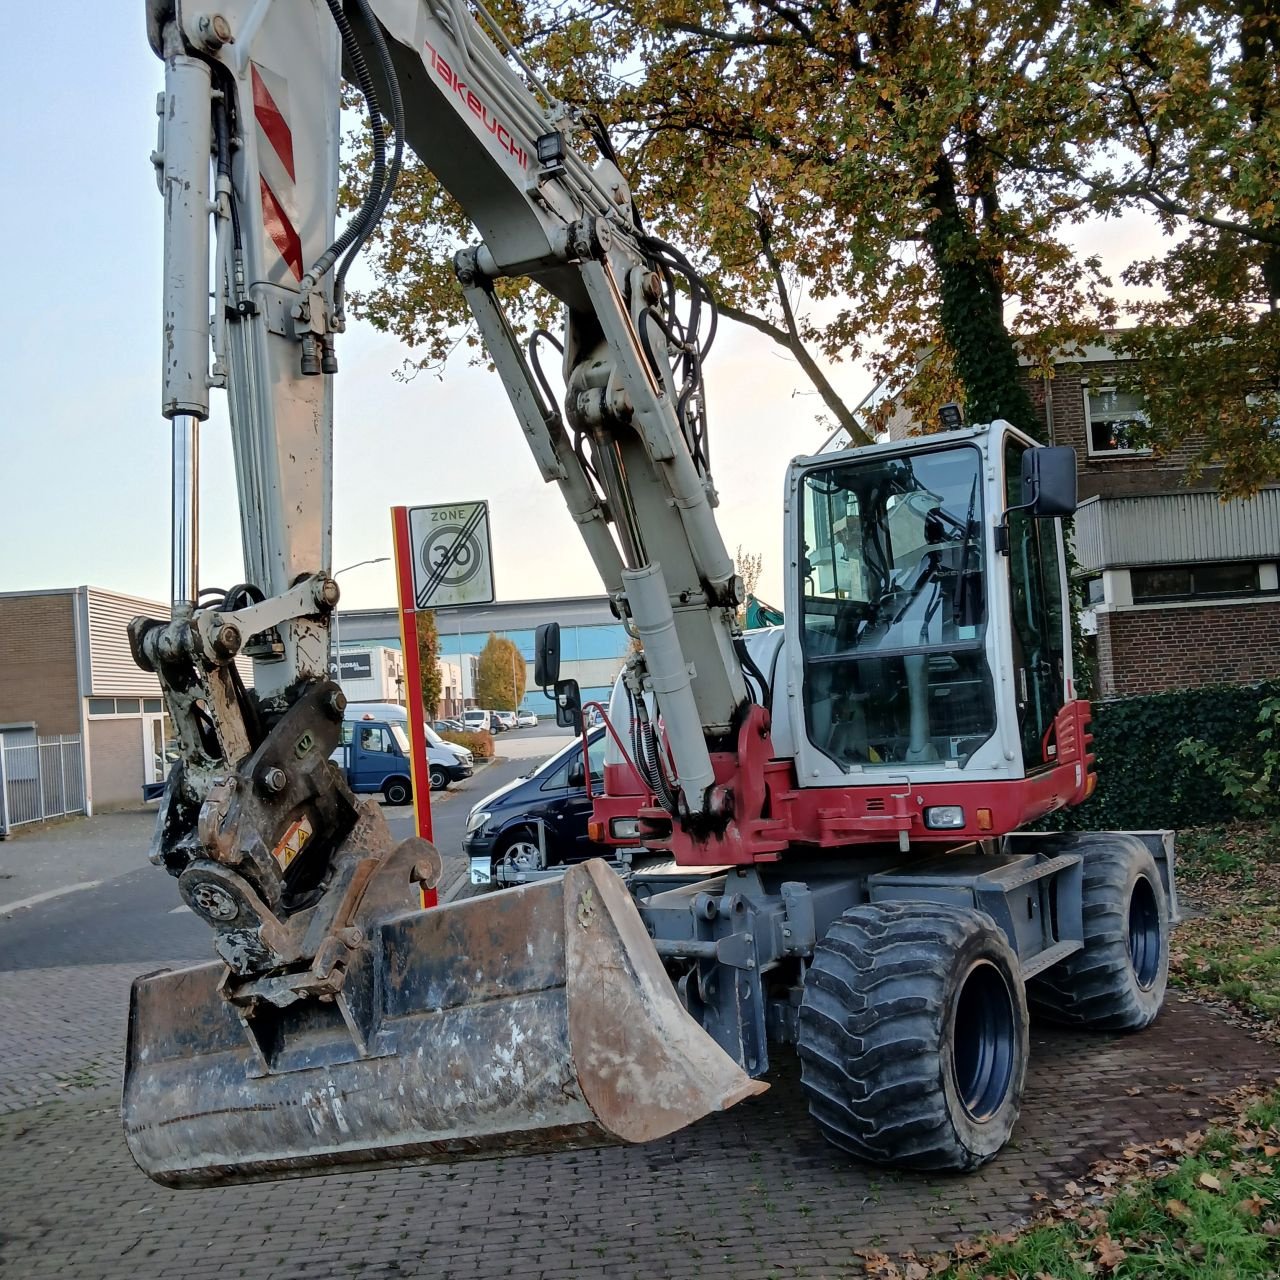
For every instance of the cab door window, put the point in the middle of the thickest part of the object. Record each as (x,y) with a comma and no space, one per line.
(1035,592)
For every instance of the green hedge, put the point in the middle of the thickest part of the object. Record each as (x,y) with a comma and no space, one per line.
(479,743)
(1143,782)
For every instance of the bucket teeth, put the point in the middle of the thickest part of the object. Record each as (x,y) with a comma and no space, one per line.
(533,1020)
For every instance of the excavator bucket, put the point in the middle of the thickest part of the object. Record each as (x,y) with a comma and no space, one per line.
(534,1020)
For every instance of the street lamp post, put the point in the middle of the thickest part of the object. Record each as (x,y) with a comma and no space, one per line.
(337,634)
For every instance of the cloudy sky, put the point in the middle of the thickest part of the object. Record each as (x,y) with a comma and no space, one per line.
(84,458)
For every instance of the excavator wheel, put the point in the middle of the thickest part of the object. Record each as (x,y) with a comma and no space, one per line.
(1117,982)
(913,1035)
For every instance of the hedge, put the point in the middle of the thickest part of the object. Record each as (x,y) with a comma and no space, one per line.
(480,743)
(1143,781)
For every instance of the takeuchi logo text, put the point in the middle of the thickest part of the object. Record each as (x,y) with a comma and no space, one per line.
(458,85)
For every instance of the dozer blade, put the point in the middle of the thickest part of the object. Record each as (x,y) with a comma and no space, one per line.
(533,1020)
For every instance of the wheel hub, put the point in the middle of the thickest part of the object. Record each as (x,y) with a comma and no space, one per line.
(984,1041)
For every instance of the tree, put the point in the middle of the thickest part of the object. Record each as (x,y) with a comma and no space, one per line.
(1195,99)
(429,662)
(892,181)
(500,674)
(749,565)
(806,154)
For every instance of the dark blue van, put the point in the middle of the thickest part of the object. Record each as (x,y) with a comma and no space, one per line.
(539,820)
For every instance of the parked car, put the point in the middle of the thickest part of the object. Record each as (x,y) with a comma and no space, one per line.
(450,726)
(479,720)
(507,719)
(502,839)
(526,718)
(374,753)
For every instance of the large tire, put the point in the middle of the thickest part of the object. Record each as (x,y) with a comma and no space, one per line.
(438,778)
(1117,982)
(913,1035)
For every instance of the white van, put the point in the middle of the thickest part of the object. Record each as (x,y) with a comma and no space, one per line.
(446,761)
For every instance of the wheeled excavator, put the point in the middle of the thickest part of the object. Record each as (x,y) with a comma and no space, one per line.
(843,800)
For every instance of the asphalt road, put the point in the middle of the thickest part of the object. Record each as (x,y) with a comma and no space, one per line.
(112,906)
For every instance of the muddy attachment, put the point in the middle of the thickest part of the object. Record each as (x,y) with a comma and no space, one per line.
(534,1020)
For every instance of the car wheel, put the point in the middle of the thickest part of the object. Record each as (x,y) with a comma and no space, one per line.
(520,850)
(439,779)
(397,792)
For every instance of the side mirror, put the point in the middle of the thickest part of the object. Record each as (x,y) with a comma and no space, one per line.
(546,655)
(577,775)
(1049,481)
(569,705)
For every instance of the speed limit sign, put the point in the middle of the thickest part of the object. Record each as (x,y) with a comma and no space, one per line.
(452,554)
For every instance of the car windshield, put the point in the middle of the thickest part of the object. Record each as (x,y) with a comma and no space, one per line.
(401,738)
(551,763)
(433,738)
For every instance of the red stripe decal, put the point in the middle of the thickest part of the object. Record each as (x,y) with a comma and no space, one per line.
(280,229)
(273,123)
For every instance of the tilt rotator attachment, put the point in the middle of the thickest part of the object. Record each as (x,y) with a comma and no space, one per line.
(533,1020)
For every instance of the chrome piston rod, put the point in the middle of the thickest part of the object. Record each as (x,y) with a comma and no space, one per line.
(185,509)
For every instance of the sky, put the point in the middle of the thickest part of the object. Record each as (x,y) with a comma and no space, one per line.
(84,452)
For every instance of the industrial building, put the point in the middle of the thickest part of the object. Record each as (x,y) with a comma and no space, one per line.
(593,643)
(68,680)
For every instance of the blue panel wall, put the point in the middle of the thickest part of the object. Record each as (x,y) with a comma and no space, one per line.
(577,644)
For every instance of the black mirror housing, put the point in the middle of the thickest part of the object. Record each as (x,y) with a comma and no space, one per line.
(569,705)
(546,655)
(1049,481)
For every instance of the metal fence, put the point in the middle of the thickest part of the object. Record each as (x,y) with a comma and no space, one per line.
(40,778)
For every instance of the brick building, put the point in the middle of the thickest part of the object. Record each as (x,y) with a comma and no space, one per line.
(1182,588)
(65,668)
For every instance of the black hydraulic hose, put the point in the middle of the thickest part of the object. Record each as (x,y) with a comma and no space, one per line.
(397,154)
(358,225)
(253,594)
(753,669)
(541,335)
(222,149)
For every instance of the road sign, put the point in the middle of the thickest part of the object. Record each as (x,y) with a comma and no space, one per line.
(452,555)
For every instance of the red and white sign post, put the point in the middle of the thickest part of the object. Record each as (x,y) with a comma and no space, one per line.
(418,769)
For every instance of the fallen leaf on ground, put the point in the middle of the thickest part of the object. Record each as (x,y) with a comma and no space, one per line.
(1177,1209)
(1109,1254)
(1209,1182)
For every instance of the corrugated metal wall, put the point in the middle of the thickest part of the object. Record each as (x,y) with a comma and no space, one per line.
(112,670)
(1177,529)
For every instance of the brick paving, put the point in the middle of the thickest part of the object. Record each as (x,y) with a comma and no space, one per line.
(750,1194)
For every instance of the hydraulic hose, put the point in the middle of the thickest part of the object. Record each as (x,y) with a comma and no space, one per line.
(362,222)
(397,155)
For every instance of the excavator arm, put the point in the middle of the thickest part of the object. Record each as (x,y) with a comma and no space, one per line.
(342,1024)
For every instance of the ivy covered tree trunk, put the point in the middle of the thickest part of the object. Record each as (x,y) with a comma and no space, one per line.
(971,313)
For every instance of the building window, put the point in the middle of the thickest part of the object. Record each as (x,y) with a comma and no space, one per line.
(1191,581)
(124,706)
(1113,419)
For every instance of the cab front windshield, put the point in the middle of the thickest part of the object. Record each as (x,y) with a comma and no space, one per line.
(894,609)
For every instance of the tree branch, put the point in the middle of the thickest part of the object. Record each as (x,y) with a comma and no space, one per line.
(734,39)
